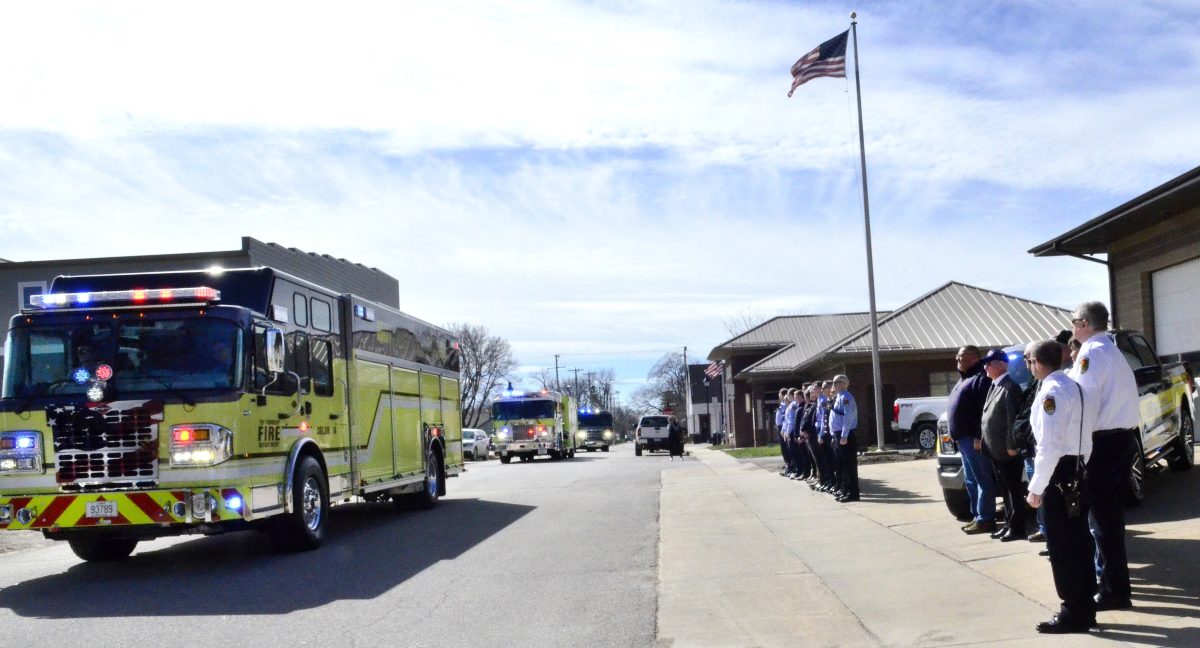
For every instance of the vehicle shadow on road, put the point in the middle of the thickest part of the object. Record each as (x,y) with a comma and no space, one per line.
(370,549)
(875,490)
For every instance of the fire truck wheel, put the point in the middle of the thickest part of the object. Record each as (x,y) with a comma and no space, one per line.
(505,458)
(102,549)
(428,497)
(304,528)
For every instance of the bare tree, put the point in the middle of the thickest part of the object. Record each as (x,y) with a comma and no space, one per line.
(744,320)
(544,378)
(666,387)
(487,360)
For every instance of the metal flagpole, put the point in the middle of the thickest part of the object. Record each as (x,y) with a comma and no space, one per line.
(876,373)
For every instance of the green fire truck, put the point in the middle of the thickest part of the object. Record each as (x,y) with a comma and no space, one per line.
(144,405)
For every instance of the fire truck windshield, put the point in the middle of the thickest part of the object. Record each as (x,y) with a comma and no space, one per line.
(522,409)
(137,356)
(597,420)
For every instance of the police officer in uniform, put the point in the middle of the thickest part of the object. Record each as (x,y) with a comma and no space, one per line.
(1111,399)
(844,421)
(779,416)
(1063,444)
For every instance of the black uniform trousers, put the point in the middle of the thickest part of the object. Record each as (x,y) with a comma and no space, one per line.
(800,457)
(835,463)
(1070,545)
(1108,479)
(821,456)
(1012,488)
(848,460)
(785,450)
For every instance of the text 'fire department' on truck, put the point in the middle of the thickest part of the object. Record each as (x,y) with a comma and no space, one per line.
(146,405)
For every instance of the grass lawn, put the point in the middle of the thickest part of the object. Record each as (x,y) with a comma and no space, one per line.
(746,453)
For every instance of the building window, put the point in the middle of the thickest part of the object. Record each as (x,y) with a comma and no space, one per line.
(322,317)
(27,289)
(941,383)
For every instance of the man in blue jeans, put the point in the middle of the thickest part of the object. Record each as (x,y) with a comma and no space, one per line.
(965,414)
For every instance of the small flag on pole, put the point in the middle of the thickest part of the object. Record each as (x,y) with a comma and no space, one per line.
(827,60)
(713,370)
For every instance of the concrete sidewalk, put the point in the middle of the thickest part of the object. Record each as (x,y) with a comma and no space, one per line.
(747,558)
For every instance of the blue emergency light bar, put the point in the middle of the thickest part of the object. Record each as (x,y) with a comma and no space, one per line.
(135,297)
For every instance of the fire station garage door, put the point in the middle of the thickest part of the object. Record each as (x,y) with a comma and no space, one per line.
(1176,299)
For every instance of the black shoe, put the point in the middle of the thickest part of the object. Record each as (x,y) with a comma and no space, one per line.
(1000,531)
(1044,552)
(1037,536)
(1011,535)
(1103,603)
(1059,625)
(848,498)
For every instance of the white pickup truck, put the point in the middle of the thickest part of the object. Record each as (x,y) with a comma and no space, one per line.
(915,419)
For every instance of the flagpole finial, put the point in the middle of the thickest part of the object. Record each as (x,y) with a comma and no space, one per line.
(853,15)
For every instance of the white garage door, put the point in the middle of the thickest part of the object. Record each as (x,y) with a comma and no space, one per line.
(1177,308)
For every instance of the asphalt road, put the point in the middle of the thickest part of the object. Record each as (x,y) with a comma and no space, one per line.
(525,554)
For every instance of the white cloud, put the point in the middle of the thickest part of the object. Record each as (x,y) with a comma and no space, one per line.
(593,177)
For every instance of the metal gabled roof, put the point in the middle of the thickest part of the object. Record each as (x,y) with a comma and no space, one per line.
(957,314)
(810,336)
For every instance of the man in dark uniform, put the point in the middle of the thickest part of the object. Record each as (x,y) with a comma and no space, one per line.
(1062,446)
(964,411)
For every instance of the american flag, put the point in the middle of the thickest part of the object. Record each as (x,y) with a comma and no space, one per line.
(713,370)
(827,60)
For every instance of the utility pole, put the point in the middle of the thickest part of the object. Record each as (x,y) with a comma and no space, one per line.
(576,370)
(687,392)
(589,385)
(557,385)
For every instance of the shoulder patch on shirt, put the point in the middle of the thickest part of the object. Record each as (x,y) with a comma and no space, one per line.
(1048,404)
(1083,365)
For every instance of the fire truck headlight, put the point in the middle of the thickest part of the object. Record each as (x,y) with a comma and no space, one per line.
(202,444)
(233,503)
(200,505)
(582,436)
(607,434)
(21,451)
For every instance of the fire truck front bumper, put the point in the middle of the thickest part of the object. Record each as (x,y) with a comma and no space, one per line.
(155,508)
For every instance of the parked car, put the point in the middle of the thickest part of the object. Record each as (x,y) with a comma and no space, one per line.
(475,444)
(915,419)
(1167,431)
(652,433)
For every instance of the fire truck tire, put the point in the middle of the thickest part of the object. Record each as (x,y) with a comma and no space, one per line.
(604,448)
(304,528)
(102,549)
(505,458)
(428,497)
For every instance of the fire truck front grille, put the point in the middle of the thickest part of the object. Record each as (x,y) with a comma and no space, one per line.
(523,431)
(595,435)
(113,445)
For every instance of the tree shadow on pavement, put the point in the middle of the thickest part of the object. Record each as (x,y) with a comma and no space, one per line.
(874,490)
(369,550)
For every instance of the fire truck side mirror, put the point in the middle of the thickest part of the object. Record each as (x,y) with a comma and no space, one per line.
(274,350)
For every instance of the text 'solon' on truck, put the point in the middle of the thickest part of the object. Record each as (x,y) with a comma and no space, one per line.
(144,405)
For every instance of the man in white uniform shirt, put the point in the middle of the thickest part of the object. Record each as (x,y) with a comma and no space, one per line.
(1057,420)
(1111,402)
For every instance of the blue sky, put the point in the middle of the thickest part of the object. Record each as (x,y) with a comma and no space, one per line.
(603,180)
